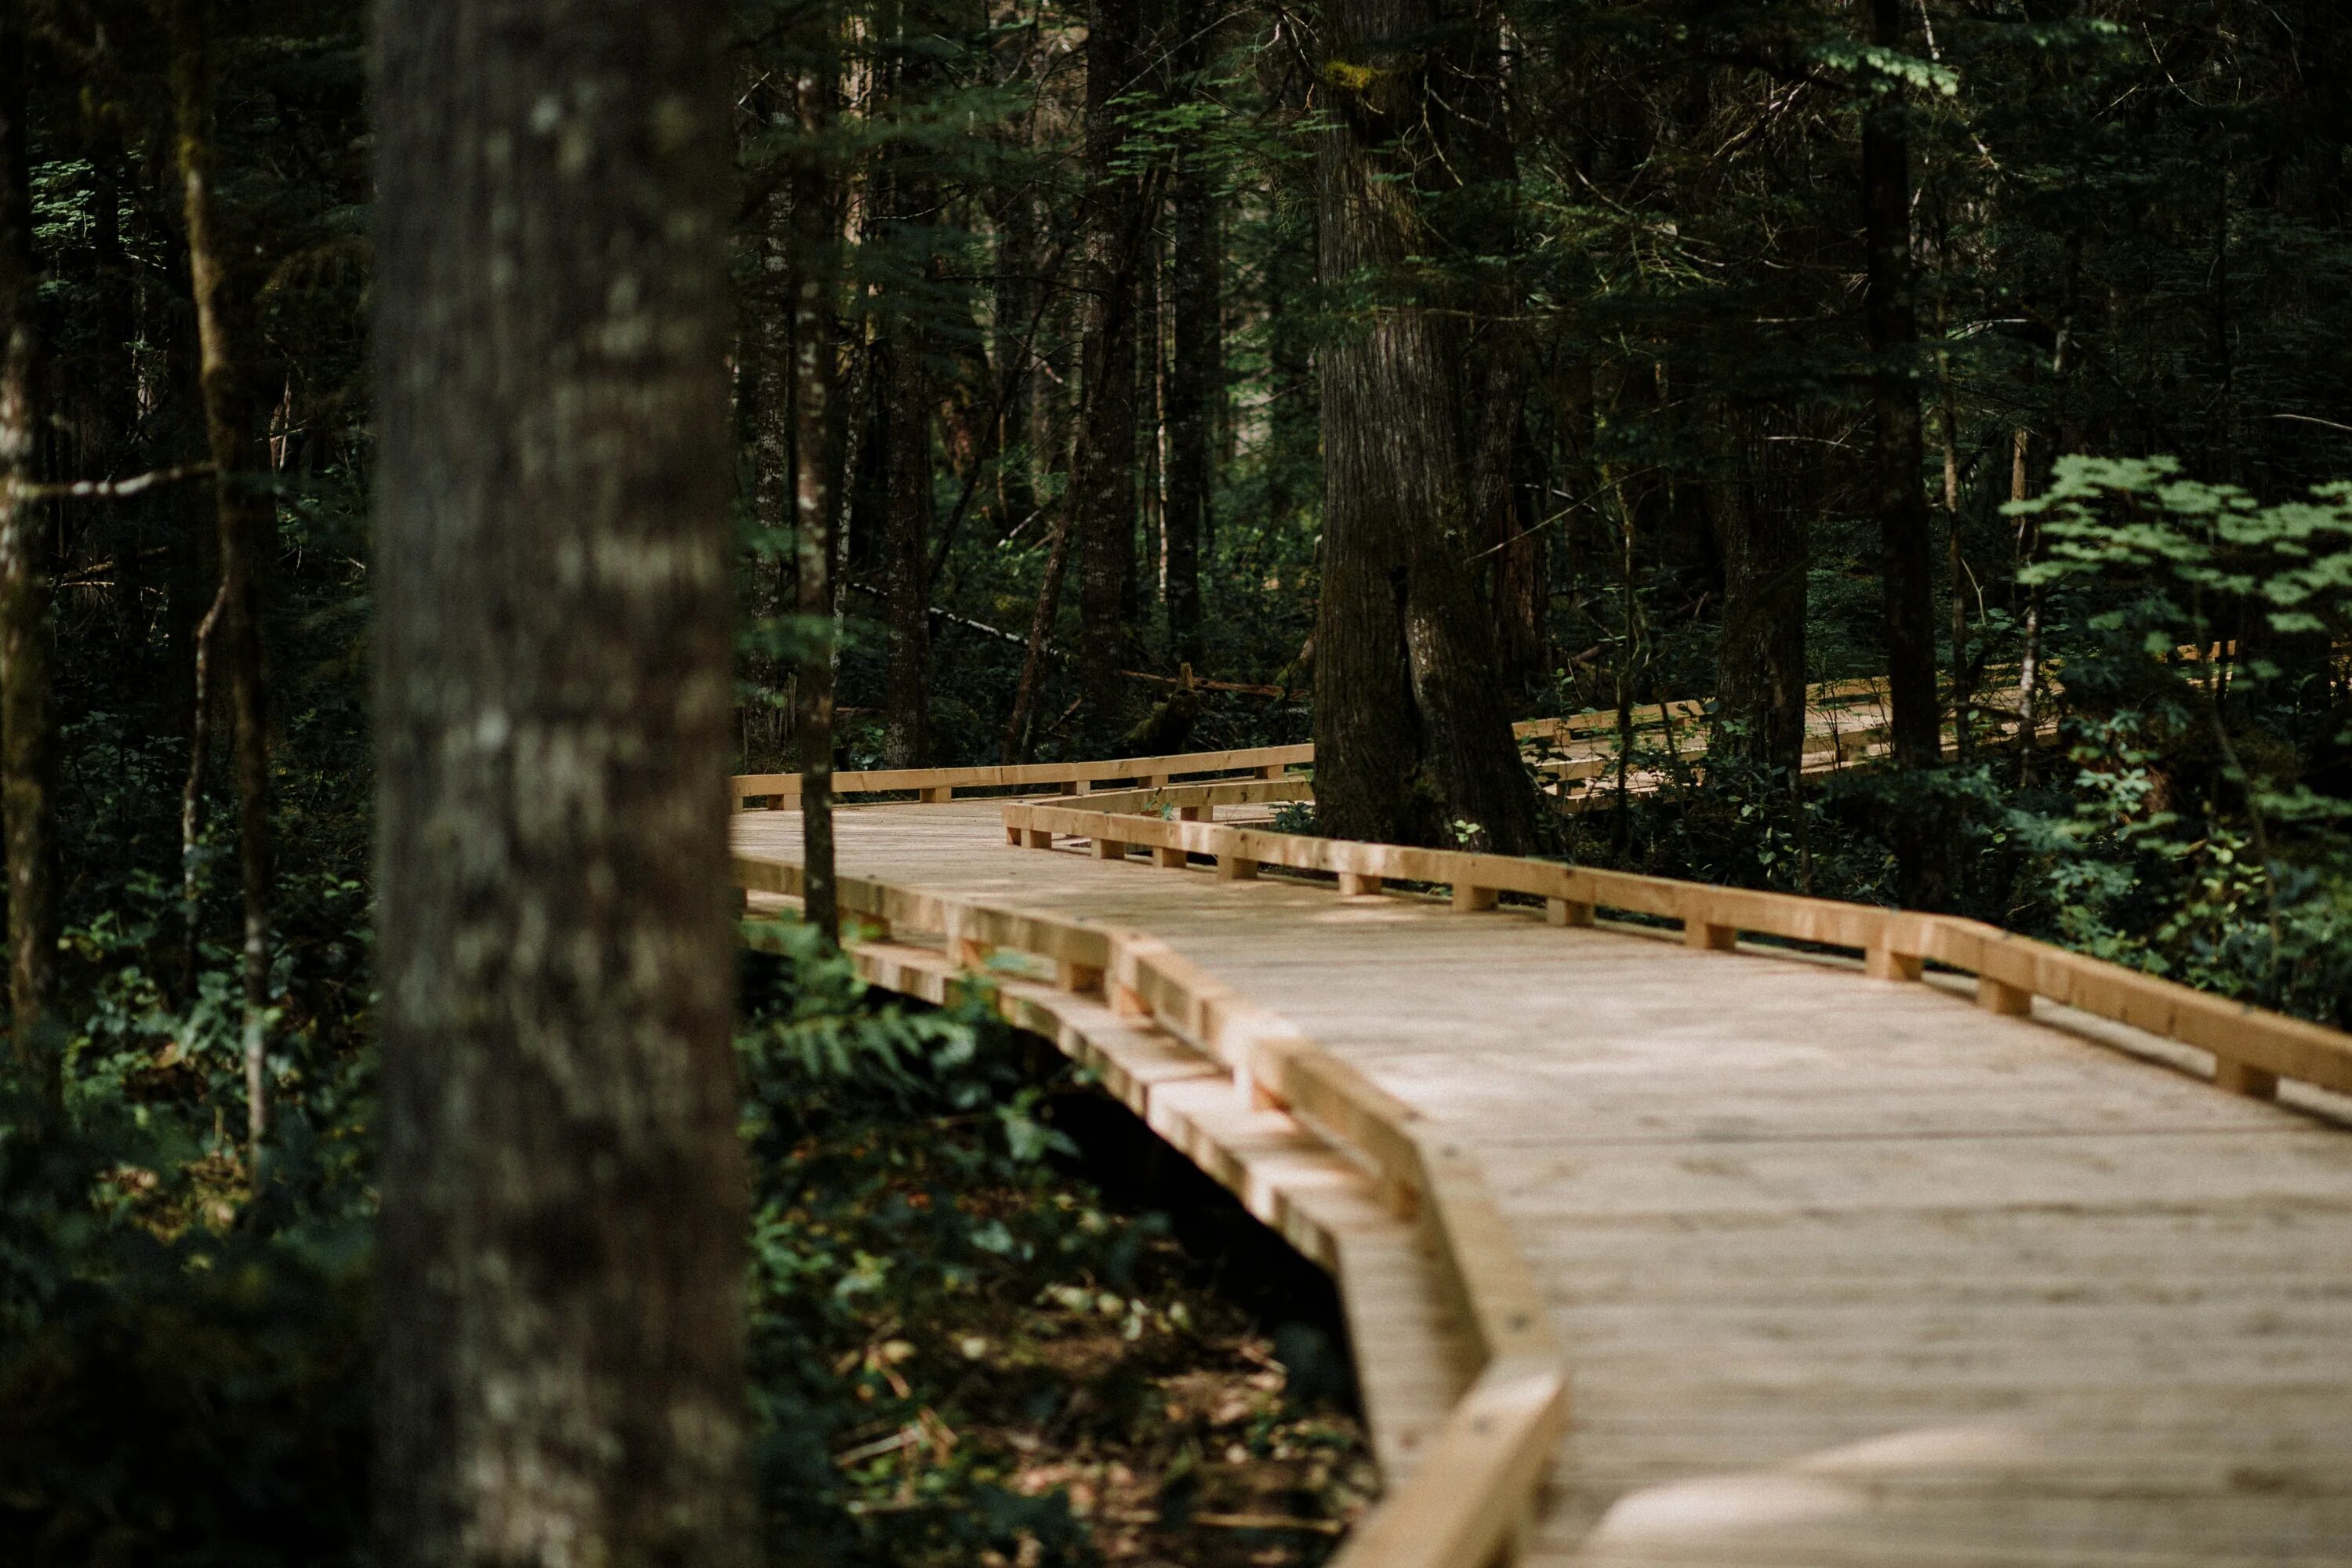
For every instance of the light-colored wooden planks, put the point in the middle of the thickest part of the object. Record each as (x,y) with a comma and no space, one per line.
(1404,1305)
(1489,1453)
(2253,1049)
(1845,1271)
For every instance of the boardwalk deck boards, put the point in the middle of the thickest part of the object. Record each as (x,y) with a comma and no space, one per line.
(1845,1271)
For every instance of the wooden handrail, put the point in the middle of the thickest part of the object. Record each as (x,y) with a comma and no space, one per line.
(2252,1048)
(1576,737)
(940,784)
(1476,1486)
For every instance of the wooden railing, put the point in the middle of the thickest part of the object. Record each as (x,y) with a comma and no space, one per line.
(1476,1485)
(782,790)
(1846,722)
(2253,1050)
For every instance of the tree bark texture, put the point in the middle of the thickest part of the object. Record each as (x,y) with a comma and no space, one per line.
(563,1193)
(1103,477)
(1412,738)
(243,522)
(28,724)
(1899,497)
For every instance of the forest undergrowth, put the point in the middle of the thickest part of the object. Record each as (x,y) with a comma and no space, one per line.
(962,1351)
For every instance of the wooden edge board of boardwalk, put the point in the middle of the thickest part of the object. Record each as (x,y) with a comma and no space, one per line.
(2223,1427)
(1844,723)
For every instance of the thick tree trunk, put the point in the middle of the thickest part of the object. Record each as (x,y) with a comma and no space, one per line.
(815,367)
(1413,741)
(243,525)
(562,1188)
(1899,497)
(28,724)
(1104,479)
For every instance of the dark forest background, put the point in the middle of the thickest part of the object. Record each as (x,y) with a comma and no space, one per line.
(1169,374)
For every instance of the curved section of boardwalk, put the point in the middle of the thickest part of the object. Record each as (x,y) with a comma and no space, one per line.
(1847,1272)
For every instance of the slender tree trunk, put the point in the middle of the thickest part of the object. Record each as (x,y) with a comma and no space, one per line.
(235,629)
(1150,423)
(765,368)
(28,724)
(2032,677)
(1103,476)
(1292,417)
(1198,358)
(1899,499)
(2029,665)
(1019,727)
(1019,297)
(904,396)
(562,1188)
(907,556)
(190,535)
(1760,664)
(1496,387)
(112,400)
(1495,364)
(1413,741)
(816,360)
(1956,565)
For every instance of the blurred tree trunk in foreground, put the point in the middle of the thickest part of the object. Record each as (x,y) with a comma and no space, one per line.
(562,1188)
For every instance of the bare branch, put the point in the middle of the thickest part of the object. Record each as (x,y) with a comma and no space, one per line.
(116,489)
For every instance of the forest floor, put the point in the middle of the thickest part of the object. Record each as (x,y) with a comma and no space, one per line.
(1255,1452)
(1193,1418)
(1225,1468)
(996,1321)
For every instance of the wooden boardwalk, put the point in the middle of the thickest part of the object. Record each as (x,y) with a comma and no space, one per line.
(1844,1270)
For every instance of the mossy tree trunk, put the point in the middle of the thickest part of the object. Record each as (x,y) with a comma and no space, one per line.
(1413,736)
